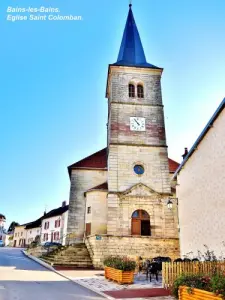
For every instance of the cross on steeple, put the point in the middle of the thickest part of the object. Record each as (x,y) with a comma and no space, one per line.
(130,3)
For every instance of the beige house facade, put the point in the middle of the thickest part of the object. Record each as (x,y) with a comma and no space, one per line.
(19,237)
(201,190)
(119,195)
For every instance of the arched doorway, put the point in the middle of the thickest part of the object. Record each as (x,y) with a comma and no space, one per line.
(140,223)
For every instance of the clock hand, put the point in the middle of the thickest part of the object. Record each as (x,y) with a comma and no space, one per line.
(136,122)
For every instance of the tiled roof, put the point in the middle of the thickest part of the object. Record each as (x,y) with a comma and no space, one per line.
(103,186)
(173,165)
(98,160)
(56,212)
(34,224)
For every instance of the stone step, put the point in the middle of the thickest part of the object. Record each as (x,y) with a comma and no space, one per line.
(69,252)
(67,256)
(74,256)
(72,267)
(69,260)
(74,264)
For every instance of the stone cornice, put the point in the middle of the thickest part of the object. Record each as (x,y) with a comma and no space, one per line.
(142,145)
(132,103)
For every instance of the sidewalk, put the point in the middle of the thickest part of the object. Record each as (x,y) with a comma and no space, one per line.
(94,280)
(141,289)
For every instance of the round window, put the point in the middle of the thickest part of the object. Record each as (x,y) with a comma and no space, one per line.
(138,169)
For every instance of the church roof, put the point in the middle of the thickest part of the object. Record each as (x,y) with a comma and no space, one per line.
(98,160)
(173,165)
(103,187)
(131,50)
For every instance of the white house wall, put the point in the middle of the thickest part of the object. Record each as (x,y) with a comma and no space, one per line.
(201,193)
(52,228)
(31,234)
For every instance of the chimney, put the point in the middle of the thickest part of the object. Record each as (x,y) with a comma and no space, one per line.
(63,203)
(185,153)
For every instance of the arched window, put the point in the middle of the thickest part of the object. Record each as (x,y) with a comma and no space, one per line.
(140,223)
(140,91)
(131,90)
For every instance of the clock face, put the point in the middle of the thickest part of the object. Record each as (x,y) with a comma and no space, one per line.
(137,124)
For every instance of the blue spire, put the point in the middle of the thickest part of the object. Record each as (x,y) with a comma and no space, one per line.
(131,49)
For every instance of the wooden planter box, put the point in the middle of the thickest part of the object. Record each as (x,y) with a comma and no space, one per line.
(196,294)
(119,276)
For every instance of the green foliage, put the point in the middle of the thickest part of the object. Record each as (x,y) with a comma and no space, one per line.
(191,281)
(214,284)
(218,285)
(32,245)
(37,239)
(12,226)
(120,263)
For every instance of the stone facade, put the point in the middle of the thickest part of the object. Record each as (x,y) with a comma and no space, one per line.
(144,194)
(201,190)
(147,247)
(128,148)
(97,217)
(81,181)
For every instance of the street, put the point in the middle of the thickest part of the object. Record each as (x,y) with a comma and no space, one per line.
(24,279)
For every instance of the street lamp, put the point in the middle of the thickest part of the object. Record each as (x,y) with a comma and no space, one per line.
(170,204)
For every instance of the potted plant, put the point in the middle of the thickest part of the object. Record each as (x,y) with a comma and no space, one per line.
(119,269)
(199,287)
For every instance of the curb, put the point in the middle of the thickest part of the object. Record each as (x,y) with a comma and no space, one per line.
(49,267)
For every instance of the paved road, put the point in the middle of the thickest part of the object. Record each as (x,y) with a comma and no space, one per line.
(24,279)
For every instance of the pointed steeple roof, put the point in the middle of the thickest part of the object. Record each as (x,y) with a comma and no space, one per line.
(131,49)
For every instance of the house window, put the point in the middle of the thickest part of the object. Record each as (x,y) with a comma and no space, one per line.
(89,209)
(57,223)
(140,91)
(140,223)
(30,231)
(21,234)
(45,236)
(46,226)
(56,236)
(131,91)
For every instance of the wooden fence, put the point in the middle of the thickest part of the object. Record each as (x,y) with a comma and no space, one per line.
(170,271)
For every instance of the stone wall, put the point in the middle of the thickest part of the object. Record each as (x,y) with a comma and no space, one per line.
(97,201)
(81,181)
(120,77)
(123,158)
(147,247)
(163,222)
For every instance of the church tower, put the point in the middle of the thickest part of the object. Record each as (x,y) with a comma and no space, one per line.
(138,172)
(119,195)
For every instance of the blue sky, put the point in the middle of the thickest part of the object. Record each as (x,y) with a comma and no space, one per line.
(53,80)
